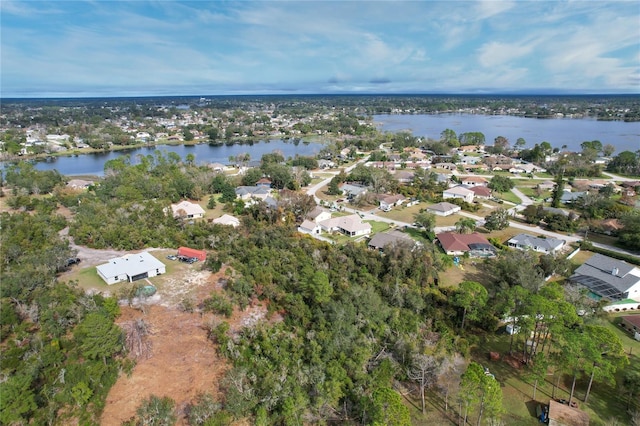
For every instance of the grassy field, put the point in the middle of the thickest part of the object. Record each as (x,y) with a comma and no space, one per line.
(507,196)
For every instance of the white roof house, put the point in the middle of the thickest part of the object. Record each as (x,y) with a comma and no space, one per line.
(130,267)
(309,227)
(318,214)
(351,225)
(459,192)
(444,209)
(227,219)
(187,209)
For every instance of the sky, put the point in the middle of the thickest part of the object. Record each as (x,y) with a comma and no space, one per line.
(137,48)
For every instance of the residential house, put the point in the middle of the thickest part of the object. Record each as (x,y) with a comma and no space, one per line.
(387,202)
(318,214)
(469,160)
(187,210)
(475,244)
(631,323)
(353,190)
(569,197)
(250,194)
(609,278)
(310,227)
(227,220)
(459,192)
(541,245)
(130,268)
(443,209)
(264,182)
(547,185)
(446,166)
(351,225)
(391,238)
(404,176)
(470,181)
(326,164)
(79,183)
(482,192)
(216,167)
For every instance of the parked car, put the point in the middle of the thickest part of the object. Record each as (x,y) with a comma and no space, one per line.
(192,260)
(172,257)
(72,261)
(183,258)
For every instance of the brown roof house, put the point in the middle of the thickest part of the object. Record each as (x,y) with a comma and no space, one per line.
(481,192)
(474,181)
(631,323)
(475,244)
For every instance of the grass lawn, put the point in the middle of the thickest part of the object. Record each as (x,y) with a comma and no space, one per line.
(447,220)
(377,227)
(507,196)
(403,213)
(214,212)
(469,270)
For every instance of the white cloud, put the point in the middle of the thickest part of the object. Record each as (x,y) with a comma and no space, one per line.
(496,53)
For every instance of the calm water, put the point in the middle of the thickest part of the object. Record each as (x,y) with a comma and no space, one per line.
(556,131)
(93,164)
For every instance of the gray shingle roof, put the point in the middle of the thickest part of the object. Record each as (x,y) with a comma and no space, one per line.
(550,244)
(606,276)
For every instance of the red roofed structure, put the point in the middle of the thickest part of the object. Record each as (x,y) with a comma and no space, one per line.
(481,191)
(458,244)
(201,255)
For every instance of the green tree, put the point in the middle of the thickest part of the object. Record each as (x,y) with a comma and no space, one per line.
(471,297)
(501,184)
(99,337)
(482,389)
(156,411)
(17,399)
(465,225)
(426,220)
(497,220)
(558,190)
(607,357)
(388,409)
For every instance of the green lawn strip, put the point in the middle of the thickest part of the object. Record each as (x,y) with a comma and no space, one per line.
(507,196)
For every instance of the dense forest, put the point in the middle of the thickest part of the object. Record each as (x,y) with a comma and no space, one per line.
(357,325)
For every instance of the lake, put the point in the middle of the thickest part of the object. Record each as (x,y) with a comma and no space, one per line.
(557,131)
(93,164)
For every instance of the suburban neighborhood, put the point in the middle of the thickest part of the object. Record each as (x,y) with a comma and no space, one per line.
(439,266)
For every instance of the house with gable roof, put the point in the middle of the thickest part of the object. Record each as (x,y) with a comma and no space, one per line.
(351,225)
(608,278)
(459,192)
(130,267)
(187,210)
(541,245)
(475,244)
(444,209)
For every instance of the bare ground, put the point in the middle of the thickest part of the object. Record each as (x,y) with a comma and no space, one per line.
(182,361)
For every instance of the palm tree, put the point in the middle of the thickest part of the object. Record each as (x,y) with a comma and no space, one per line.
(465,225)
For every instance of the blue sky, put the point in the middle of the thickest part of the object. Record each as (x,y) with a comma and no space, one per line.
(112,48)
